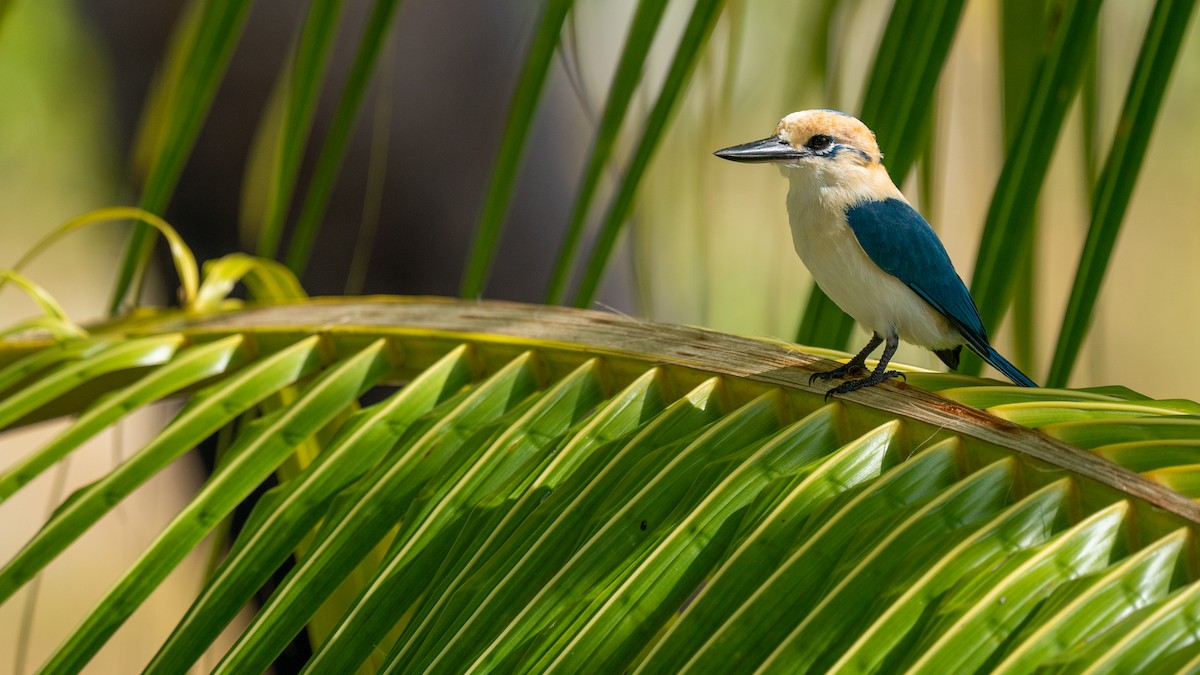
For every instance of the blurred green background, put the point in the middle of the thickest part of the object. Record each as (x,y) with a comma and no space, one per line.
(705,242)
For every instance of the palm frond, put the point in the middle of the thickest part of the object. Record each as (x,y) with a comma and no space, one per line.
(579,489)
(521,113)
(201,50)
(1147,87)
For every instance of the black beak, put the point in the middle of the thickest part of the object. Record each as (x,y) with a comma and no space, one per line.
(767,150)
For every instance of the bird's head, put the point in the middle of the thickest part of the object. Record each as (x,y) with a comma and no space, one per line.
(826,145)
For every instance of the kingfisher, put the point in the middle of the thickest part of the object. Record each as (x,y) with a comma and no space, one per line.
(868,249)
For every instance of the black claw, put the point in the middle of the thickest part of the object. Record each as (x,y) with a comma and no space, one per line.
(847,370)
(871,380)
(857,365)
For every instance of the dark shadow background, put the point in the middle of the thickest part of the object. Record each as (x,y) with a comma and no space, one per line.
(450,69)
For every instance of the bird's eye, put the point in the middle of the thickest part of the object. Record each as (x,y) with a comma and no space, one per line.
(819,142)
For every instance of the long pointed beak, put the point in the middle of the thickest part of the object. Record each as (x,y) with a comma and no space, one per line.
(767,150)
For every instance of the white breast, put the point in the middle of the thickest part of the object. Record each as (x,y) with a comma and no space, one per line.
(874,298)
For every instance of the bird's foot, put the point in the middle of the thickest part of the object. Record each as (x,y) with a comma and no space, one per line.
(851,369)
(874,378)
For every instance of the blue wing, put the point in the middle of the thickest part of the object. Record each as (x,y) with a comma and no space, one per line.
(899,240)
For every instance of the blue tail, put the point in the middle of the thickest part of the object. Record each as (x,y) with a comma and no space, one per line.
(1010,371)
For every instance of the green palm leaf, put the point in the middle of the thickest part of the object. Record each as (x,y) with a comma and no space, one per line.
(1147,88)
(284,131)
(512,147)
(333,150)
(583,490)
(175,112)
(1009,226)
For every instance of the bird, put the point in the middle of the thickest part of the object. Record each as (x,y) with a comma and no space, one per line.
(868,249)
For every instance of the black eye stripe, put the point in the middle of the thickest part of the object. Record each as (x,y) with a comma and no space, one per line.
(819,142)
